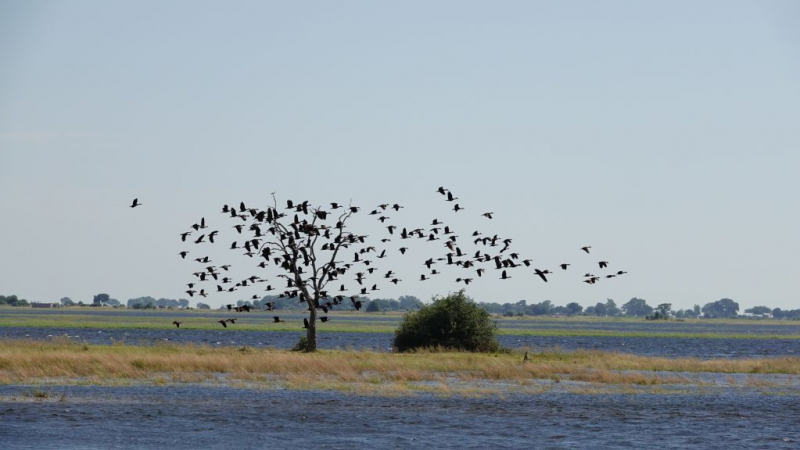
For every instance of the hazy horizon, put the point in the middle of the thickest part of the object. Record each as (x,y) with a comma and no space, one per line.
(662,134)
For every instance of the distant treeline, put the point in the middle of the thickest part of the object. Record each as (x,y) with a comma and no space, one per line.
(635,307)
(13,300)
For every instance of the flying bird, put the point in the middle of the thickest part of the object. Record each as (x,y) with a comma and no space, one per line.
(542,274)
(177,324)
(135,203)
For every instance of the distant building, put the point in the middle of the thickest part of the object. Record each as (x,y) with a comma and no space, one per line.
(45,305)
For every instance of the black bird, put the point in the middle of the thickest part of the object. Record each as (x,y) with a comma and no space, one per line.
(305,322)
(224,325)
(277,319)
(323,319)
(183,235)
(603,264)
(450,197)
(488,215)
(564,266)
(586,249)
(183,254)
(504,276)
(135,203)
(177,324)
(542,273)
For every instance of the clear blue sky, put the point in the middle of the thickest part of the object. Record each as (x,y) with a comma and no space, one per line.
(663,134)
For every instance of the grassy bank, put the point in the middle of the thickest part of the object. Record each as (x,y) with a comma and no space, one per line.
(348,322)
(31,362)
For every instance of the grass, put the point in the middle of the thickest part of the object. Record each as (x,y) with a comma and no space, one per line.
(63,361)
(351,322)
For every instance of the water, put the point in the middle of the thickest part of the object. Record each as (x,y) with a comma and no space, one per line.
(647,346)
(190,417)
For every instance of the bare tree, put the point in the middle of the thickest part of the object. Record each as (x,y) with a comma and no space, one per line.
(301,243)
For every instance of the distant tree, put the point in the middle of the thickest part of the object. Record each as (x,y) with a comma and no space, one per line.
(777,313)
(374,306)
(541,309)
(721,309)
(142,302)
(637,307)
(574,308)
(696,309)
(201,305)
(599,309)
(759,310)
(560,310)
(113,302)
(590,311)
(13,300)
(100,299)
(409,302)
(66,301)
(184,303)
(662,312)
(611,308)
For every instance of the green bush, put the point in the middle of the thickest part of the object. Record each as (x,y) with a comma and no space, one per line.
(301,345)
(452,323)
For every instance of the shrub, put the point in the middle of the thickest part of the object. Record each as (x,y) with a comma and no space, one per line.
(301,345)
(453,323)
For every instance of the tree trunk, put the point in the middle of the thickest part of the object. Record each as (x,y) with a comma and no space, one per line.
(311,333)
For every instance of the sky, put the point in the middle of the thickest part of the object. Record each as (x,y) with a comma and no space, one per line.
(663,134)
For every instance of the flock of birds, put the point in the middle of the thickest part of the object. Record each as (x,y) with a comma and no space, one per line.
(311,247)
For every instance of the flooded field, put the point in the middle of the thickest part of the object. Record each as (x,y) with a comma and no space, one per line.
(646,346)
(189,417)
(78,317)
(697,338)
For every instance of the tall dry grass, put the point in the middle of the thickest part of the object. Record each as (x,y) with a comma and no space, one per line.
(26,361)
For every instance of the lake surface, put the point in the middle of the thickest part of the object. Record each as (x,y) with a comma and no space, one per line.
(192,417)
